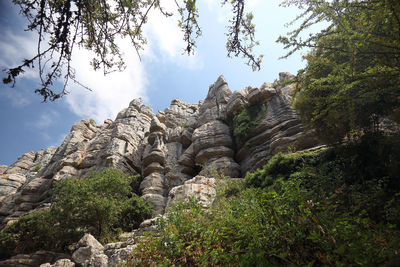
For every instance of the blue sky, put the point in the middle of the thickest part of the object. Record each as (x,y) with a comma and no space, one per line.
(162,75)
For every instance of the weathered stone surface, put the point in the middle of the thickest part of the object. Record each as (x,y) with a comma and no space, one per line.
(167,149)
(214,106)
(153,184)
(116,144)
(262,94)
(99,260)
(33,259)
(211,134)
(88,248)
(9,183)
(237,101)
(3,168)
(278,129)
(221,167)
(181,114)
(118,254)
(60,263)
(22,165)
(199,187)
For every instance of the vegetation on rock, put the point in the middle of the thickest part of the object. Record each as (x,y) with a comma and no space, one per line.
(37,168)
(328,207)
(102,204)
(246,120)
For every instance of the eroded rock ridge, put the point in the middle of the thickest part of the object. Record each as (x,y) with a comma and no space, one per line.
(176,151)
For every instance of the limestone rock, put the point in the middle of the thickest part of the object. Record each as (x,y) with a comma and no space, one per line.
(33,259)
(9,183)
(237,101)
(116,144)
(278,129)
(168,149)
(88,248)
(262,94)
(214,106)
(60,263)
(117,252)
(199,187)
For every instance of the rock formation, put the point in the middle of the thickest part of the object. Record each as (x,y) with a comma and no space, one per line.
(174,151)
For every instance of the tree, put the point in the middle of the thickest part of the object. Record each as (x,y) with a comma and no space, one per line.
(98,204)
(96,25)
(102,203)
(352,77)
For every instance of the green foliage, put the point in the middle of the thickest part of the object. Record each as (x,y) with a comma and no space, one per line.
(302,209)
(92,122)
(37,168)
(368,170)
(97,25)
(29,233)
(75,199)
(245,121)
(102,204)
(352,77)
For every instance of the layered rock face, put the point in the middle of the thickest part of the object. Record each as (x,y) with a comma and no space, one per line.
(274,127)
(25,184)
(167,149)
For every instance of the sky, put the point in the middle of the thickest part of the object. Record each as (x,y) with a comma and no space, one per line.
(162,74)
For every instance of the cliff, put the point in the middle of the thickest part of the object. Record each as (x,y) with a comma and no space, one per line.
(227,133)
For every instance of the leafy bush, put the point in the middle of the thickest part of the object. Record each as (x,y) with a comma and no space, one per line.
(92,122)
(37,168)
(29,233)
(267,228)
(309,208)
(102,204)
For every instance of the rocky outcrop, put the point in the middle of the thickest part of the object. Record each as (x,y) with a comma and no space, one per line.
(212,140)
(174,151)
(274,125)
(26,183)
(20,190)
(89,252)
(154,159)
(59,263)
(200,187)
(34,259)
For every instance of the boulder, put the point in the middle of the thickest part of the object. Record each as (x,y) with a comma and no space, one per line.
(199,187)
(88,248)
(60,263)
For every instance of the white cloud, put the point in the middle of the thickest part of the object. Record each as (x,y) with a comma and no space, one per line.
(17,98)
(46,119)
(166,39)
(109,93)
(16,47)
(114,91)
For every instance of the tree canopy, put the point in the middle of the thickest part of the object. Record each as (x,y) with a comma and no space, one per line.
(352,77)
(102,203)
(97,25)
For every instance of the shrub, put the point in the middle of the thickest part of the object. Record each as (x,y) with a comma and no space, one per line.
(37,168)
(29,233)
(282,227)
(102,204)
(309,208)
(245,121)
(92,122)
